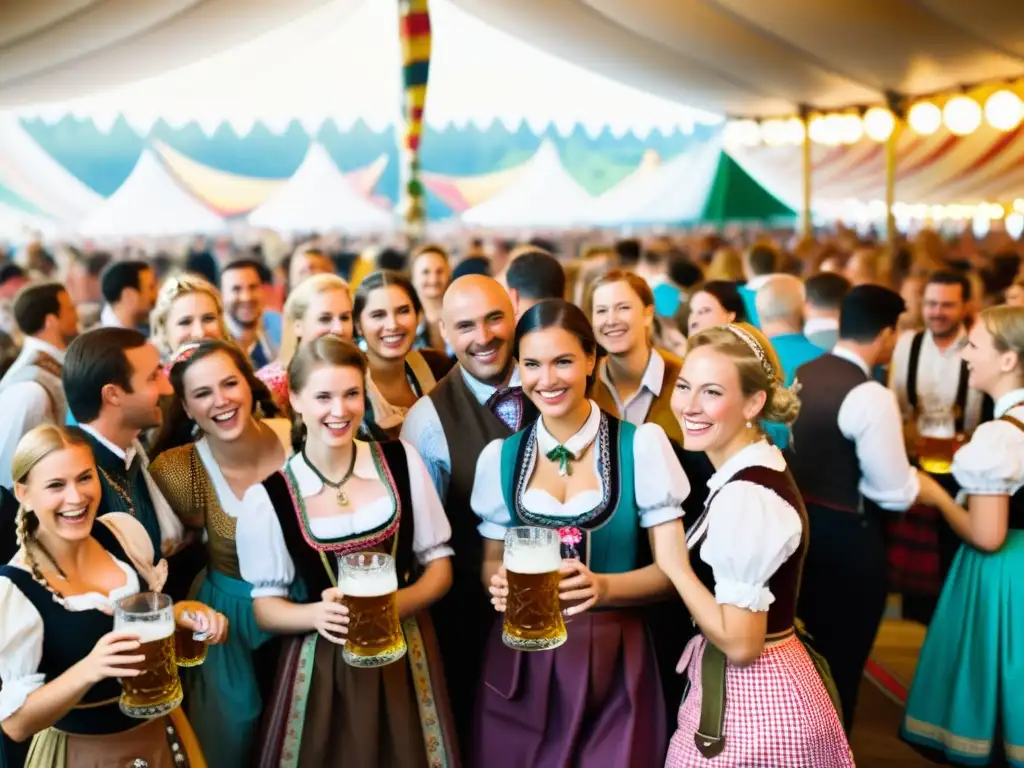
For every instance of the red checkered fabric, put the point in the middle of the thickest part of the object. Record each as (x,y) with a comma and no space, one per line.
(777,714)
(913,551)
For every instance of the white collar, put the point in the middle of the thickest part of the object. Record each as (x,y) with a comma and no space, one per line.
(852,357)
(310,483)
(953,349)
(38,345)
(759,454)
(653,378)
(757,281)
(109,319)
(482,391)
(1008,401)
(817,324)
(126,456)
(576,444)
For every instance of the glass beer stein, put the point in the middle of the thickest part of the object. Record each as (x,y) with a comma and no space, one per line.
(369,584)
(157,690)
(189,647)
(937,440)
(533,611)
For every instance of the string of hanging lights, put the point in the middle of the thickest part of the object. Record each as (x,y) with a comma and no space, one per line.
(1000,106)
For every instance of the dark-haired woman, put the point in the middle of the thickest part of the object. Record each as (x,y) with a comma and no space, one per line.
(716,302)
(208,482)
(60,657)
(336,496)
(387,312)
(595,700)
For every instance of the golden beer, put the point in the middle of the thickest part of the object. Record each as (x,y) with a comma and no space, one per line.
(188,651)
(937,440)
(533,610)
(369,584)
(157,690)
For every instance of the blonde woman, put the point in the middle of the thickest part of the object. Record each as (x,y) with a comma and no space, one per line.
(187,308)
(726,264)
(966,691)
(320,304)
(742,589)
(60,658)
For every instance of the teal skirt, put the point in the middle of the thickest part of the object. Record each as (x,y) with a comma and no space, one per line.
(968,690)
(223,700)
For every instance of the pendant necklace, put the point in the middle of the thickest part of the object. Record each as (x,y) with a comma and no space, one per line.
(338,487)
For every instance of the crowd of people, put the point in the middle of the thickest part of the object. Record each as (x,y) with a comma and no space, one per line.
(745,450)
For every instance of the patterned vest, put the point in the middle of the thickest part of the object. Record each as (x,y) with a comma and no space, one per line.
(45,371)
(611,531)
(660,412)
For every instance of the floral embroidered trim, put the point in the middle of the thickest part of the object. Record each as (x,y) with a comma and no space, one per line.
(430,719)
(296,720)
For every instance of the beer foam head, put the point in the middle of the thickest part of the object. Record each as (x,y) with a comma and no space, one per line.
(150,631)
(533,559)
(368,583)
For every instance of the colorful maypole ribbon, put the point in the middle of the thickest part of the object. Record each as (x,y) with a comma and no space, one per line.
(414,28)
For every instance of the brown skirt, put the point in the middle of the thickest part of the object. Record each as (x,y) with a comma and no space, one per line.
(325,713)
(166,742)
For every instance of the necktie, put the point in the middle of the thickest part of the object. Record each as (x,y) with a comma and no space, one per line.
(507,405)
(132,472)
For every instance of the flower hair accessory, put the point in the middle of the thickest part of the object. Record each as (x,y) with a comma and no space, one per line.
(756,348)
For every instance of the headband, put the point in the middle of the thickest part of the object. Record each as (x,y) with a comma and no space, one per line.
(756,348)
(184,353)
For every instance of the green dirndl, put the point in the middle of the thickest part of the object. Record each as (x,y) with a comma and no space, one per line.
(223,698)
(969,686)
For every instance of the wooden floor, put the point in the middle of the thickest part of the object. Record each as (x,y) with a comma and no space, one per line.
(875,739)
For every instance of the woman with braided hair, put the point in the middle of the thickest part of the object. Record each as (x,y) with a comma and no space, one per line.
(59,658)
(755,696)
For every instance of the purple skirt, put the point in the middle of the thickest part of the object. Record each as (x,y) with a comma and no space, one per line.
(595,701)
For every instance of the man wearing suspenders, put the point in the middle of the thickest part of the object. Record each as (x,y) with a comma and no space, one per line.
(939,413)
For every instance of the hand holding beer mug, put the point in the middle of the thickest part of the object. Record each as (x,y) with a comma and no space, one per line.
(368,585)
(156,689)
(197,627)
(533,612)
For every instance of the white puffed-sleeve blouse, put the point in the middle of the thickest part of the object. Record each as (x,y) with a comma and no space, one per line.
(660,485)
(263,557)
(21,626)
(992,463)
(749,530)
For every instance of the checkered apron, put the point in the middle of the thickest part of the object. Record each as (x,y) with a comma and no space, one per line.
(777,714)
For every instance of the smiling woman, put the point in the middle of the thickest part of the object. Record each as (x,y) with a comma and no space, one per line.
(60,658)
(335,496)
(387,314)
(742,590)
(576,470)
(207,482)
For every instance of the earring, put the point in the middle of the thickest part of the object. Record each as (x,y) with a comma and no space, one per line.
(749,425)
(195,430)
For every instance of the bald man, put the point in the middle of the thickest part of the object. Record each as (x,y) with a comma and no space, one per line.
(478,401)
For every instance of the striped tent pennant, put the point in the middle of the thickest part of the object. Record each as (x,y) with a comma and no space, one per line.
(414,29)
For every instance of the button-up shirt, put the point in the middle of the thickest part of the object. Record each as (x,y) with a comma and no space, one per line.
(636,408)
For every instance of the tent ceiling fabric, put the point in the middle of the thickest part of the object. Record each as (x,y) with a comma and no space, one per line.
(766,58)
(56,49)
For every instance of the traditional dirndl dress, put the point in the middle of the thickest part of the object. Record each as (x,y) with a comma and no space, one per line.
(596,700)
(776,712)
(323,711)
(968,689)
(41,640)
(224,696)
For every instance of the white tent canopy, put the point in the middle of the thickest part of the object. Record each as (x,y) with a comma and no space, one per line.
(31,171)
(543,195)
(672,192)
(151,204)
(320,198)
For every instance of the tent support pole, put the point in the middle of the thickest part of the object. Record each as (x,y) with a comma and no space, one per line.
(806,221)
(896,106)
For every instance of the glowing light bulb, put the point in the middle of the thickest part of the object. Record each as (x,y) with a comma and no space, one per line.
(962,115)
(1004,110)
(879,123)
(924,118)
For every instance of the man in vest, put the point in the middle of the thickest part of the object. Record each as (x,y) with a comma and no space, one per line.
(32,390)
(114,380)
(848,459)
(939,412)
(478,401)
